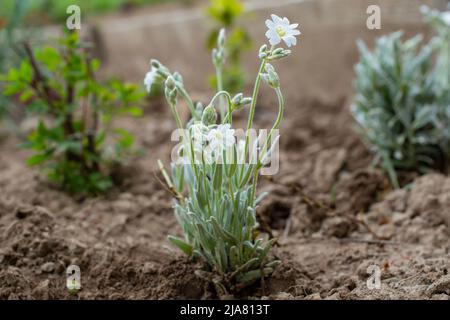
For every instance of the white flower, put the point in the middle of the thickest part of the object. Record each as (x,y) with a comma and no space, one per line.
(446,17)
(150,78)
(197,137)
(281,29)
(197,133)
(221,137)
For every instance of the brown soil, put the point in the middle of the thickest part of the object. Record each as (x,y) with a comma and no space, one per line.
(334,216)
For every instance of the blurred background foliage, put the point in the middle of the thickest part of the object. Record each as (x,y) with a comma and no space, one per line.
(18,17)
(226,14)
(41,12)
(11,34)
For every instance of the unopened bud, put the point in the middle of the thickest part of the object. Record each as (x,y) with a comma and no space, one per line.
(263,51)
(217,57)
(271,76)
(246,101)
(209,116)
(199,109)
(170,83)
(170,90)
(221,38)
(160,69)
(178,78)
(279,53)
(155,63)
(237,99)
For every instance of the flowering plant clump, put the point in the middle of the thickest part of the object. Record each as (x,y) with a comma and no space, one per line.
(402,103)
(215,175)
(74,141)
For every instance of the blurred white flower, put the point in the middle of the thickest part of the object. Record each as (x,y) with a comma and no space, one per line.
(446,17)
(221,137)
(197,132)
(150,79)
(281,29)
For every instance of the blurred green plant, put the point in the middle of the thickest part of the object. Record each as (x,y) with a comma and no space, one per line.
(10,52)
(53,11)
(225,14)
(402,102)
(74,141)
(440,21)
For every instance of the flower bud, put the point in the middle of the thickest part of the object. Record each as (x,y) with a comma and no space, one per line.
(221,38)
(199,106)
(217,57)
(263,51)
(279,53)
(246,101)
(160,69)
(237,99)
(155,64)
(170,83)
(170,90)
(271,76)
(178,78)
(209,116)
(199,109)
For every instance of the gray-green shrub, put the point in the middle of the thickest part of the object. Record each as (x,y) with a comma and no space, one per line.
(402,101)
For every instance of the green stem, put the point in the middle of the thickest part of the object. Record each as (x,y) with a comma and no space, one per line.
(228,100)
(252,110)
(188,100)
(255,95)
(174,110)
(276,125)
(277,122)
(219,79)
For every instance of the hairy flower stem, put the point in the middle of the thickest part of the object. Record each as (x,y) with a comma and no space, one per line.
(189,101)
(219,95)
(276,125)
(252,111)
(219,77)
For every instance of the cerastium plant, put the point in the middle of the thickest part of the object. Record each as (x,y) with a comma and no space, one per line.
(215,175)
(74,141)
(402,101)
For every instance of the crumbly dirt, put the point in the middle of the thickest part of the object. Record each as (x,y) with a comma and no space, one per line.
(333,213)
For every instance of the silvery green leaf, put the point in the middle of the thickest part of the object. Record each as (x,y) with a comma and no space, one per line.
(183,246)
(226,236)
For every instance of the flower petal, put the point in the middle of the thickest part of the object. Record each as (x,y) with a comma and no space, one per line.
(270,24)
(285,21)
(273,37)
(276,19)
(290,40)
(274,41)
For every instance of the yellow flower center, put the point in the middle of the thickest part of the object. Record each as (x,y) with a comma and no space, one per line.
(280,31)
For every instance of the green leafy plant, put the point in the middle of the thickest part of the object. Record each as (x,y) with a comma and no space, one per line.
(74,141)
(402,102)
(54,11)
(11,33)
(225,14)
(214,178)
